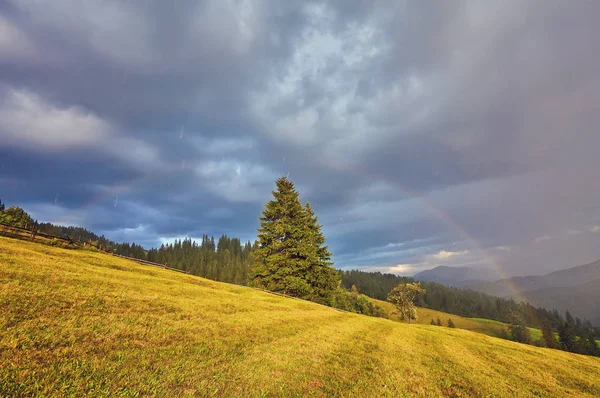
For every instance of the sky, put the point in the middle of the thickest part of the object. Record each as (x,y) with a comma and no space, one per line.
(461,133)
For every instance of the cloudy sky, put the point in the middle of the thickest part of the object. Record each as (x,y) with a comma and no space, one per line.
(423,133)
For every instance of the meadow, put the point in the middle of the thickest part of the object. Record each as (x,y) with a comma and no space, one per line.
(76,322)
(479,325)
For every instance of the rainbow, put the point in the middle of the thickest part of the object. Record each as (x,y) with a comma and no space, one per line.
(445,217)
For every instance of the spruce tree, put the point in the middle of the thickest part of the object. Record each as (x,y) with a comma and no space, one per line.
(450,323)
(566,337)
(548,335)
(518,330)
(291,257)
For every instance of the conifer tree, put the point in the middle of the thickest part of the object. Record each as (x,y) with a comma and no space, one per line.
(569,318)
(439,321)
(291,257)
(566,337)
(450,323)
(432,322)
(548,335)
(518,330)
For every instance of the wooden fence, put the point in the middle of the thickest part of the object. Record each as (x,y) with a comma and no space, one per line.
(34,235)
(150,263)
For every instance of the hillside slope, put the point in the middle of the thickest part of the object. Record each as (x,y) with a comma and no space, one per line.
(582,300)
(425,315)
(82,323)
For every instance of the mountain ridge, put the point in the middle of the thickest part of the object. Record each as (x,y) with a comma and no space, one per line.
(456,276)
(576,289)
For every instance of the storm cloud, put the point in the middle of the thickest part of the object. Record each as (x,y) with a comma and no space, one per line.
(423,133)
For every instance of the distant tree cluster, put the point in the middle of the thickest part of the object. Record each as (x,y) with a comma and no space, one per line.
(438,322)
(227,260)
(578,336)
(356,302)
(15,217)
(78,234)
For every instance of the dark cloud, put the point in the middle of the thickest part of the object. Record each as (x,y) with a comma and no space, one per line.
(423,133)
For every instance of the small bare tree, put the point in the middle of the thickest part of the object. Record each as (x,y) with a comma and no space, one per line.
(403,297)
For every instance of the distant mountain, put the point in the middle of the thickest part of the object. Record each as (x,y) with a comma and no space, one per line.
(456,276)
(581,300)
(576,289)
(564,278)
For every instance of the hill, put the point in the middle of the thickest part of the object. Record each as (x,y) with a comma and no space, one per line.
(480,325)
(582,300)
(425,315)
(83,323)
(575,289)
(456,276)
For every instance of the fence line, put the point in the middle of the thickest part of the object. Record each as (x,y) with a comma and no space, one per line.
(32,234)
(145,262)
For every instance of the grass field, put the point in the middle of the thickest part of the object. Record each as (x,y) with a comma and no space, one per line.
(79,323)
(425,315)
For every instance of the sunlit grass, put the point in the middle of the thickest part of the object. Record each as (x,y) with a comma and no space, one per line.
(82,323)
(425,315)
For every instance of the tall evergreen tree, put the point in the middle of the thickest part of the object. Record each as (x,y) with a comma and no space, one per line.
(518,330)
(569,318)
(548,335)
(291,257)
(1,206)
(566,337)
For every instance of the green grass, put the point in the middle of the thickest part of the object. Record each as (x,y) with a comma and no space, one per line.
(488,327)
(425,315)
(77,323)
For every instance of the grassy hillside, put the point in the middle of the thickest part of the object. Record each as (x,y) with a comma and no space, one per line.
(425,315)
(78,322)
